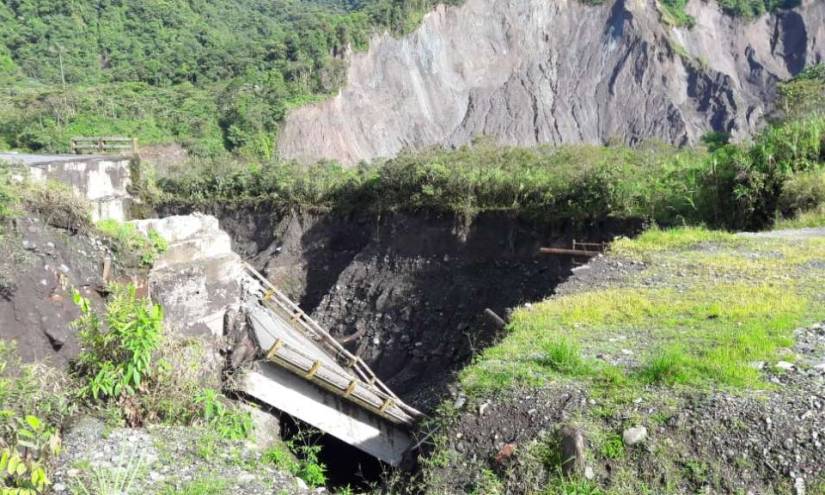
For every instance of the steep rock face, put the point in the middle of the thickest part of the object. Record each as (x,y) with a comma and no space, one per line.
(529,72)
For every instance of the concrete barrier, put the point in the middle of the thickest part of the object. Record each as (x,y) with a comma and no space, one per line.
(103,180)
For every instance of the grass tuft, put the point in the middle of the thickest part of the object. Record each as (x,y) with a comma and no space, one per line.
(564,356)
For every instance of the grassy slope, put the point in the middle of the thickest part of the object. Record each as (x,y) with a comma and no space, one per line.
(704,307)
(694,310)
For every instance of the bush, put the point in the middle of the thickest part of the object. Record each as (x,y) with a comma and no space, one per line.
(299,457)
(227,422)
(33,400)
(57,204)
(6,195)
(802,192)
(116,357)
(129,241)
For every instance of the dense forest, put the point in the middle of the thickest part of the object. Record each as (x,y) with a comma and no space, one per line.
(215,76)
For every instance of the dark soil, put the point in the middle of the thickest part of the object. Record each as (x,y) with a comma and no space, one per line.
(39,266)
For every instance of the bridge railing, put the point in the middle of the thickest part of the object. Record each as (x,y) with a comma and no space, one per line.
(102,144)
(309,327)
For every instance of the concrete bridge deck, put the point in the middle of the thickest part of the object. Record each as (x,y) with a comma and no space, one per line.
(308,374)
(33,160)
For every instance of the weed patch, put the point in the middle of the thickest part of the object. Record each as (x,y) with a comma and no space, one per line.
(299,457)
(129,241)
(34,400)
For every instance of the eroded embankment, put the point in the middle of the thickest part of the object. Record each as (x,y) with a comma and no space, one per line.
(407,292)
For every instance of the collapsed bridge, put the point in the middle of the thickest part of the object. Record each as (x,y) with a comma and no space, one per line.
(307,374)
(297,367)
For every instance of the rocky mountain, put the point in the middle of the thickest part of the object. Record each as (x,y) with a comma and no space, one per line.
(529,72)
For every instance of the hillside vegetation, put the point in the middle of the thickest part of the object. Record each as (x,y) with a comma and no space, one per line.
(736,186)
(215,76)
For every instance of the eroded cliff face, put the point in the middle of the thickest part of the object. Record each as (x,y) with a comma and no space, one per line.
(529,72)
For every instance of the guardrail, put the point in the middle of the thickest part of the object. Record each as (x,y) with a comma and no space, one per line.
(378,397)
(110,144)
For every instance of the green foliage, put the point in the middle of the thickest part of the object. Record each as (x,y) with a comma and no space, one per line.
(116,356)
(674,11)
(801,192)
(754,8)
(22,466)
(299,457)
(612,447)
(31,398)
(809,219)
(227,422)
(282,458)
(488,483)
(111,481)
(571,183)
(129,240)
(7,197)
(804,95)
(216,75)
(734,186)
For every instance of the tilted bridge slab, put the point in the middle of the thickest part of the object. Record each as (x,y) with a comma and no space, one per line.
(307,374)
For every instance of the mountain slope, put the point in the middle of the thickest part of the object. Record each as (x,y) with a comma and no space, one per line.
(527,72)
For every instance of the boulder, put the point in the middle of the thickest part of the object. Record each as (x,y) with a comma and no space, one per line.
(635,435)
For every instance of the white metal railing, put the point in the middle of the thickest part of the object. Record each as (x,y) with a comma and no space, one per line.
(371,387)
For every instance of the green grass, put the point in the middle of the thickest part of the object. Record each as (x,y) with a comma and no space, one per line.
(809,219)
(208,486)
(655,241)
(129,240)
(564,356)
(612,447)
(705,307)
(564,486)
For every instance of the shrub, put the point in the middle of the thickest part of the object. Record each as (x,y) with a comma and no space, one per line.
(129,241)
(116,356)
(33,398)
(22,462)
(803,192)
(177,380)
(675,13)
(58,205)
(6,194)
(227,422)
(299,457)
